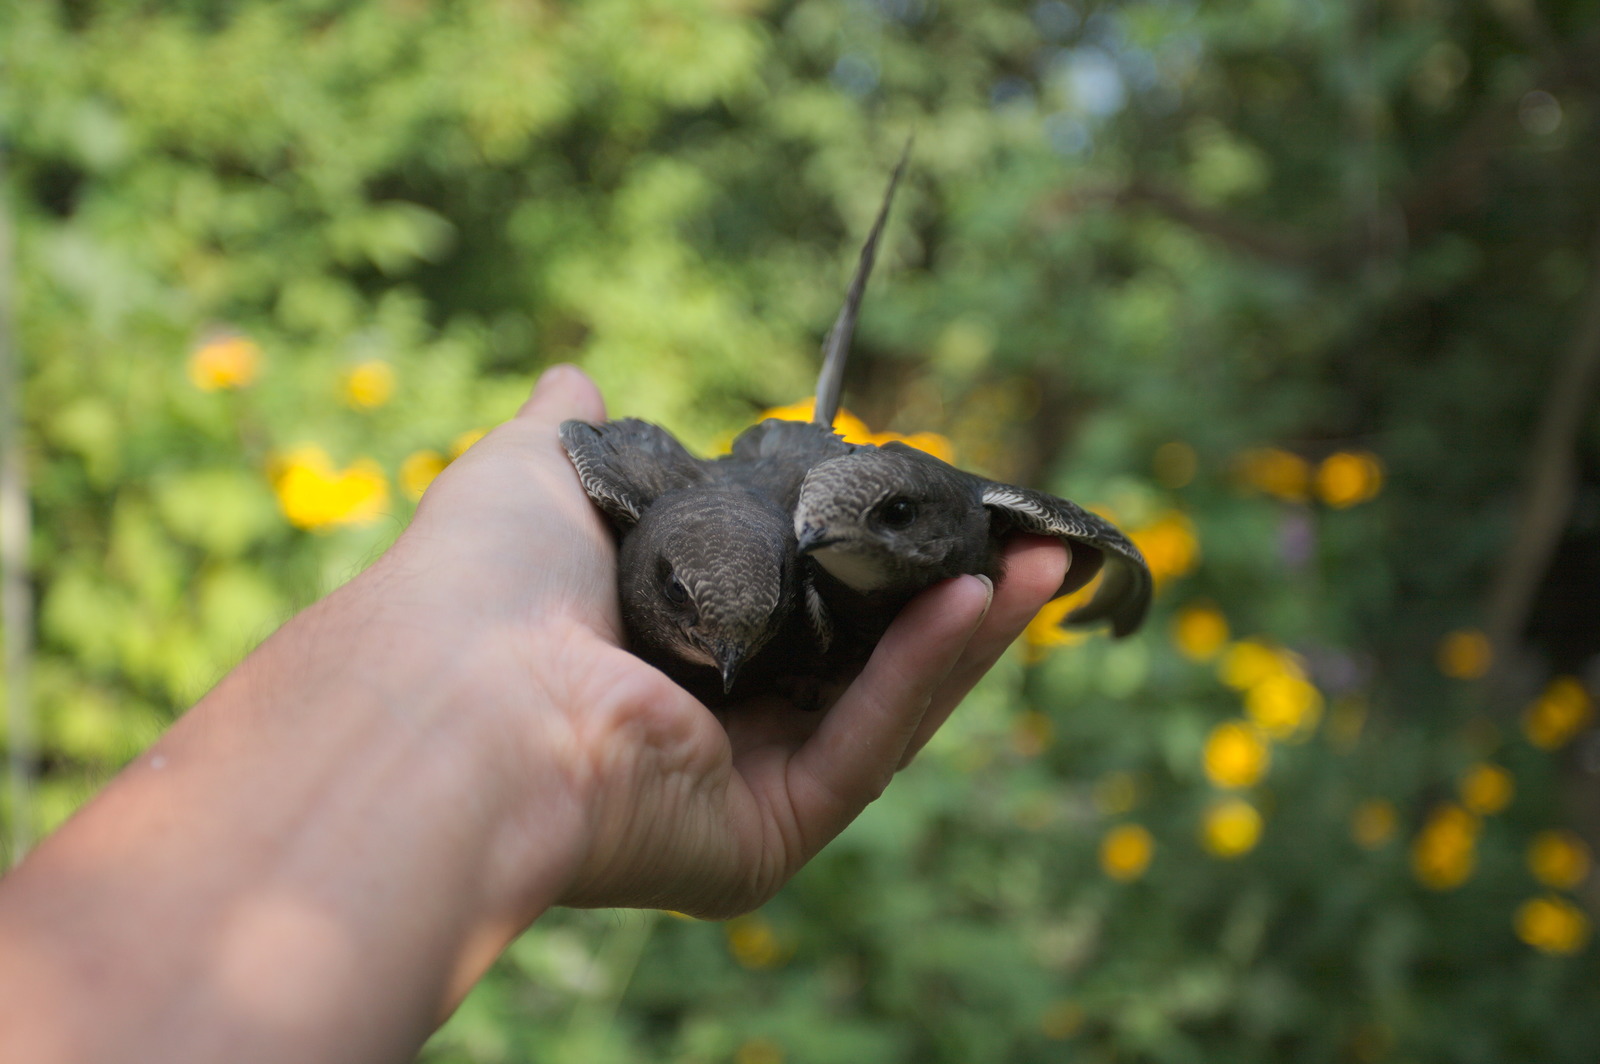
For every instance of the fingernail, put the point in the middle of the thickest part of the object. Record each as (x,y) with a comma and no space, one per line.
(988,587)
(551,378)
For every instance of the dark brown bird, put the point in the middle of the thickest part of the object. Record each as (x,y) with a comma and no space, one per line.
(885,522)
(710,578)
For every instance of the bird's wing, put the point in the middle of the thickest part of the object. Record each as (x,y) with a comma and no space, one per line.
(1124,594)
(773,457)
(626,464)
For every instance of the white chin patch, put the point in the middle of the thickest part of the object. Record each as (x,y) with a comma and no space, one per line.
(855,570)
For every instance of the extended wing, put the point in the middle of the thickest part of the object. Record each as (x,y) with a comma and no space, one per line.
(626,464)
(1124,594)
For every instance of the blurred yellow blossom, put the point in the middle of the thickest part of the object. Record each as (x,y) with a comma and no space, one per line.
(418,471)
(1200,631)
(933,443)
(1373,823)
(1444,852)
(1284,706)
(1349,477)
(1563,710)
(1558,859)
(1063,1019)
(314,495)
(1175,464)
(225,363)
(1552,924)
(1236,754)
(853,430)
(1465,654)
(758,1051)
(754,943)
(368,385)
(1116,793)
(1125,852)
(1044,632)
(1276,472)
(1031,733)
(1232,827)
(459,445)
(1168,545)
(1249,662)
(1486,789)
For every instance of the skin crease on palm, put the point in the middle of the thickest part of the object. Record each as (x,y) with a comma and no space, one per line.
(319,859)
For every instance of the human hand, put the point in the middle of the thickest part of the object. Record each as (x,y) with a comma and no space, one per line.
(667,805)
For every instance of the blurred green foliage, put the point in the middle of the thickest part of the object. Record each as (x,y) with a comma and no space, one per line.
(277,260)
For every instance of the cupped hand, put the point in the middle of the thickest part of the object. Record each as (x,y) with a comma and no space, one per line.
(678,808)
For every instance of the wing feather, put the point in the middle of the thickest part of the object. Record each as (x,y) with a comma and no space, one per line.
(627,464)
(1125,592)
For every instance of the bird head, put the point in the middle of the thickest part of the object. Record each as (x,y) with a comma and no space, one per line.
(888,517)
(706,577)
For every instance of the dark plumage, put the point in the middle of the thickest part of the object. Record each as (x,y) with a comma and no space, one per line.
(886,522)
(712,586)
(775,568)
(708,573)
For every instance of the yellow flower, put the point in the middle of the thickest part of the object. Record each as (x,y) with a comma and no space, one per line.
(753,942)
(1044,632)
(1032,733)
(1232,827)
(1552,924)
(1349,477)
(459,445)
(758,1051)
(1558,859)
(1061,1020)
(851,428)
(1465,654)
(1200,631)
(1486,789)
(1563,710)
(368,385)
(1284,705)
(1444,852)
(931,442)
(1249,662)
(1373,823)
(225,363)
(314,495)
(1236,755)
(1175,464)
(1276,472)
(418,471)
(1169,546)
(1125,852)
(1116,793)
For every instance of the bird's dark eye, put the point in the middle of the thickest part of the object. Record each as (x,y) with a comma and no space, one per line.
(676,593)
(897,513)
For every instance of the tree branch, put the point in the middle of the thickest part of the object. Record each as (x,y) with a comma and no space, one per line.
(1550,478)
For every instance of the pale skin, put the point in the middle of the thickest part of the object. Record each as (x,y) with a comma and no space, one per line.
(320,858)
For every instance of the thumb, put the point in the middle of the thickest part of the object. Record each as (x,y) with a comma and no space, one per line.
(563,391)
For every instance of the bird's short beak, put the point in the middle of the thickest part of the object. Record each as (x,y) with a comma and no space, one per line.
(814,537)
(729,657)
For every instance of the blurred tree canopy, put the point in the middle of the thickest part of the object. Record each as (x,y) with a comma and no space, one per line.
(1304,293)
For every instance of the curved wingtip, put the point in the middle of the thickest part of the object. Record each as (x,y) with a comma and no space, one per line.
(1124,599)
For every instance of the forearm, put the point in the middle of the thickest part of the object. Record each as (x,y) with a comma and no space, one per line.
(312,865)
